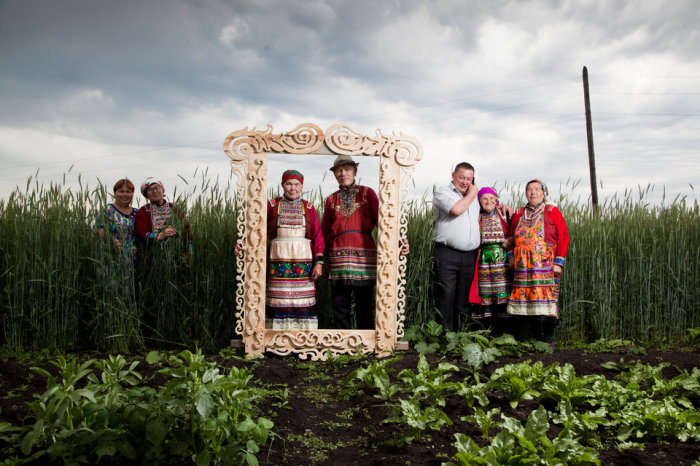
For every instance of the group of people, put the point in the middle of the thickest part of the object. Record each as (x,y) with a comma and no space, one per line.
(490,262)
(493,263)
(301,249)
(128,227)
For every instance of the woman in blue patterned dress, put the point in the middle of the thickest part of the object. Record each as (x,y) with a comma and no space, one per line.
(117,222)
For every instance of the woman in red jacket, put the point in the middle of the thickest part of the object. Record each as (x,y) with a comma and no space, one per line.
(540,240)
(159,220)
(294,258)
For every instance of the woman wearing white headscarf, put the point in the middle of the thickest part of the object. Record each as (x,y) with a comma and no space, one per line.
(541,241)
(154,221)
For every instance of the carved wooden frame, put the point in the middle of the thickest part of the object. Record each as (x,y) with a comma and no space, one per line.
(248,151)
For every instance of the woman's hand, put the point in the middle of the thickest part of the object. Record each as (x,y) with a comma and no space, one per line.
(317,271)
(505,210)
(511,262)
(404,247)
(556,269)
(167,233)
(240,246)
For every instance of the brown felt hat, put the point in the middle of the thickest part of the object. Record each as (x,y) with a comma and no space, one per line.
(343,160)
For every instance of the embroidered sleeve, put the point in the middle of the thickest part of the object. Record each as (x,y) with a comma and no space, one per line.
(326,223)
(317,243)
(142,228)
(562,233)
(373,205)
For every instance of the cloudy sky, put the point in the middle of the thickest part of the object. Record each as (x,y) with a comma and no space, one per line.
(108,89)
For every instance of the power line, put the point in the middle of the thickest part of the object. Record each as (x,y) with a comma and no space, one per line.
(121,167)
(136,152)
(650,76)
(461,99)
(648,114)
(495,110)
(414,108)
(644,93)
(527,123)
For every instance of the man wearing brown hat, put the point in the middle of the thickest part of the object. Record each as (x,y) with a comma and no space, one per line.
(349,216)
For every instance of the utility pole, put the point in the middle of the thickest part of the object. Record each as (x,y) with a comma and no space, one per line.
(589,134)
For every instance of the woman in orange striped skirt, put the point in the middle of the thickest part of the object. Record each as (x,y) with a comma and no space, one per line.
(541,241)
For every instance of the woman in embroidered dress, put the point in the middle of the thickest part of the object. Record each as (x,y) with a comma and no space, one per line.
(154,221)
(541,241)
(492,264)
(164,235)
(295,258)
(117,218)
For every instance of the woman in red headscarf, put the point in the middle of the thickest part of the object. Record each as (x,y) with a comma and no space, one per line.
(541,241)
(295,258)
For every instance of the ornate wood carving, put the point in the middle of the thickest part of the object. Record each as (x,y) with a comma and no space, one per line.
(247,150)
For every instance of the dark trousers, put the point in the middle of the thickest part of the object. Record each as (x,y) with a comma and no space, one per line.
(542,327)
(454,272)
(341,297)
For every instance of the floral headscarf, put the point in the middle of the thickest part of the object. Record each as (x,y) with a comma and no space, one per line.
(148,182)
(544,187)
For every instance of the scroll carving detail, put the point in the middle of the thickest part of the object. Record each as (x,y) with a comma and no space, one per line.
(405,150)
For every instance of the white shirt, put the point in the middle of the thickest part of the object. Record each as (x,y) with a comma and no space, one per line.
(460,232)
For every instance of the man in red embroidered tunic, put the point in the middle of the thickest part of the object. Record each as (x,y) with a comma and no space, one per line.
(349,216)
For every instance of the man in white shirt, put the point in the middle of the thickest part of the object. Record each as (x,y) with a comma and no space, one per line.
(456,235)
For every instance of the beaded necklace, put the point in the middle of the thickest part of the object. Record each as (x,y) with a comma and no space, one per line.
(160,215)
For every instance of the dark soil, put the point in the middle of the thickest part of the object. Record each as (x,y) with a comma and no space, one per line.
(322,423)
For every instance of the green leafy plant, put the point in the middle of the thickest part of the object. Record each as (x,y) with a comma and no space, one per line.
(500,451)
(618,366)
(200,415)
(61,413)
(533,442)
(693,337)
(428,384)
(218,409)
(483,420)
(584,424)
(376,375)
(474,391)
(155,357)
(633,414)
(426,338)
(477,356)
(663,419)
(518,381)
(615,345)
(419,420)
(562,385)
(529,444)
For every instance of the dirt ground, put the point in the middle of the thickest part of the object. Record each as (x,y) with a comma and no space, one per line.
(315,425)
